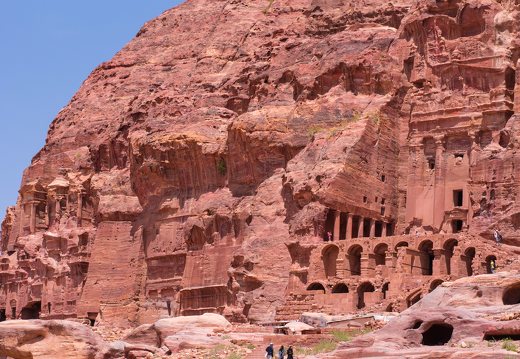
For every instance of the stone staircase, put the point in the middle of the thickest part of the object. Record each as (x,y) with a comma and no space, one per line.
(294,305)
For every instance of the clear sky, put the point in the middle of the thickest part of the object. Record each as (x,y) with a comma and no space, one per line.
(47,50)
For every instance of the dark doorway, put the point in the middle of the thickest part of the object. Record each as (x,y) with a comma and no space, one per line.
(329,224)
(355,226)
(437,334)
(366,227)
(384,289)
(3,317)
(354,259)
(340,288)
(379,229)
(92,316)
(316,287)
(342,226)
(458,196)
(426,249)
(169,307)
(32,311)
(456,225)
(362,289)
(469,254)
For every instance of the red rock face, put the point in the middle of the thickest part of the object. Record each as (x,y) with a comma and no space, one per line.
(201,169)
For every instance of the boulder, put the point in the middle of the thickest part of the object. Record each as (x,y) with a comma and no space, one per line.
(53,339)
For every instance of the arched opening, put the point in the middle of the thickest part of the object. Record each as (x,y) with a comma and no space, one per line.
(316,287)
(512,294)
(434,284)
(340,288)
(380,254)
(384,289)
(400,244)
(354,259)
(449,247)
(491,264)
(426,250)
(330,258)
(31,311)
(362,289)
(469,254)
(416,325)
(437,334)
(3,316)
(413,298)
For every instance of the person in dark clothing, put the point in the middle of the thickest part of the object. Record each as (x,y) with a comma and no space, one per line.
(269,351)
(281,352)
(290,354)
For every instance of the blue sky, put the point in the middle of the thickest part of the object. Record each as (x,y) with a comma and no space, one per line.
(48,48)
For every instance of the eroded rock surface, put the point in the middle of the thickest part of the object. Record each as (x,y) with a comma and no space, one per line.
(458,319)
(52,339)
(202,168)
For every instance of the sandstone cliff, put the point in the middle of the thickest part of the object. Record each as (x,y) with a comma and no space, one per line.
(202,167)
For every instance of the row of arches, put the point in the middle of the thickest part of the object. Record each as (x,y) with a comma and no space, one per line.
(342,288)
(381,255)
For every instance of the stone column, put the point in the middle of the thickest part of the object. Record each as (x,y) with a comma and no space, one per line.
(335,236)
(383,229)
(349,226)
(438,207)
(372,227)
(360,227)
(33,217)
(437,262)
(365,263)
(457,263)
(390,260)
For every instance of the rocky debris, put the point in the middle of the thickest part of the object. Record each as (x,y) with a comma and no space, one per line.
(464,318)
(296,327)
(182,332)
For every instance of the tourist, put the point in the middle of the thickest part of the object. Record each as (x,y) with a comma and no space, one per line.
(290,352)
(329,236)
(281,352)
(269,351)
(492,266)
(498,237)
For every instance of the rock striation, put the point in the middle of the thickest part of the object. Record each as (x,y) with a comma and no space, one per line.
(262,159)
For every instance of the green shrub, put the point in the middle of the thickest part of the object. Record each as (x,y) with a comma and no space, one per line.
(509,345)
(323,346)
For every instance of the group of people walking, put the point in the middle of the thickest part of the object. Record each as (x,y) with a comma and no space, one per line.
(269,352)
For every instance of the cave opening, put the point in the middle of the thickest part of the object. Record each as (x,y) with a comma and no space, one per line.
(492,337)
(437,334)
(511,295)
